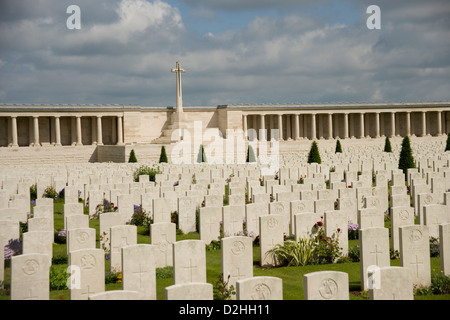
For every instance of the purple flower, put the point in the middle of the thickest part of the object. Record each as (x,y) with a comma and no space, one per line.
(33,202)
(62,233)
(14,247)
(353,226)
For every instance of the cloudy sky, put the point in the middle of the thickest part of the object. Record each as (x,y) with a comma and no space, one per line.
(234,51)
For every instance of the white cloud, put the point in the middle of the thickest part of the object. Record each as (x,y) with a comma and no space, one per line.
(125,57)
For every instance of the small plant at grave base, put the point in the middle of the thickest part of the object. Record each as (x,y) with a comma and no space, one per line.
(60,237)
(387,145)
(113,277)
(314,155)
(406,159)
(213,245)
(221,291)
(440,283)
(140,218)
(51,193)
(174,218)
(394,254)
(295,253)
(146,170)
(326,249)
(104,207)
(163,156)
(59,259)
(354,254)
(164,273)
(33,192)
(338,147)
(353,231)
(58,278)
(132,158)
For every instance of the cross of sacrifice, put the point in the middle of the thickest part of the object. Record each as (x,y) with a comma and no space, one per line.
(179,71)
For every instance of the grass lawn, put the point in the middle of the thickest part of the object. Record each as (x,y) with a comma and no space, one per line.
(292,276)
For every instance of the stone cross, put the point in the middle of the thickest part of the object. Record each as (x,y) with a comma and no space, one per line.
(178,71)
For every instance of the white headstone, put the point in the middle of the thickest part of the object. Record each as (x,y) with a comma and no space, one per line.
(189,259)
(326,285)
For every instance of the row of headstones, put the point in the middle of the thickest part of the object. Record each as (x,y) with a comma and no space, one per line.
(30,272)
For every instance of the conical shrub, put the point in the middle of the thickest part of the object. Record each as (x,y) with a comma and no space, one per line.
(132,157)
(314,155)
(387,145)
(338,147)
(163,155)
(406,159)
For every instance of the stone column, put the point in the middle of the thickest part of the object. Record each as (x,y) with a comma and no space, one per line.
(244,120)
(262,128)
(330,126)
(313,126)
(14,135)
(439,123)
(119,131)
(377,125)
(79,138)
(99,131)
(424,124)
(36,130)
(296,127)
(346,126)
(392,124)
(255,128)
(288,127)
(408,123)
(280,127)
(361,122)
(57,131)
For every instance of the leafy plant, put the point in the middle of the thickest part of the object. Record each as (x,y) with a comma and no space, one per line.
(164,273)
(60,237)
(103,207)
(440,283)
(434,247)
(140,217)
(221,291)
(354,254)
(51,193)
(146,170)
(58,278)
(293,253)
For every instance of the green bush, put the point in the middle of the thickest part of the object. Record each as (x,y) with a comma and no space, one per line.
(51,193)
(338,147)
(387,145)
(406,159)
(293,253)
(145,170)
(163,156)
(440,283)
(221,290)
(354,254)
(314,155)
(164,273)
(33,192)
(58,278)
(132,157)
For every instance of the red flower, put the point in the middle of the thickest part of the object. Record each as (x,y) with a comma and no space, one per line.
(320,223)
(339,230)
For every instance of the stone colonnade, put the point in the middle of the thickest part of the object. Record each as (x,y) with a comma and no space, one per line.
(62,130)
(323,125)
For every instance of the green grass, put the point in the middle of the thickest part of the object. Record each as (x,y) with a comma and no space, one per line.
(292,276)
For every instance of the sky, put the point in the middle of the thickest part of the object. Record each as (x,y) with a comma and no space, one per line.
(233,51)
